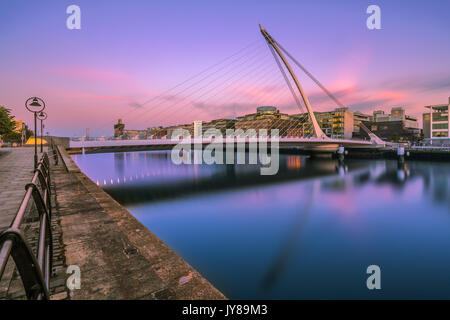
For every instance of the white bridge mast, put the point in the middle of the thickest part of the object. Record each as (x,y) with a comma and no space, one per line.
(317,130)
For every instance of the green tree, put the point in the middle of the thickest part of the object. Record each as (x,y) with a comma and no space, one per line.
(394,137)
(422,136)
(6,121)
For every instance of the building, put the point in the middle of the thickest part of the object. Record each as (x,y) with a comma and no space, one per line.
(156,132)
(220,124)
(393,131)
(269,118)
(135,134)
(397,114)
(358,118)
(396,126)
(121,133)
(19,126)
(426,126)
(336,124)
(436,124)
(197,129)
(187,127)
(118,128)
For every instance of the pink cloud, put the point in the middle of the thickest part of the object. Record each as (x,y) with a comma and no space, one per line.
(86,73)
(391,95)
(76,95)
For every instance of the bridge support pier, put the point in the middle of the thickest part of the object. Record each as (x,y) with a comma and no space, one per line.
(401,155)
(322,151)
(341,154)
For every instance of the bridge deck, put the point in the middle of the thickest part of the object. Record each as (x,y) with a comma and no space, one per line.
(165,142)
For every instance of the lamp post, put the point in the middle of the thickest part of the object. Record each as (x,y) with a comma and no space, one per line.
(35,105)
(42,116)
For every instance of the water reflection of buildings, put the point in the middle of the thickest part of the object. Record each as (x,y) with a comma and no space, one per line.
(435,178)
(294,163)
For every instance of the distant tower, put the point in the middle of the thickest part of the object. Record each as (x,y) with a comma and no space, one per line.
(197,129)
(118,128)
(87,133)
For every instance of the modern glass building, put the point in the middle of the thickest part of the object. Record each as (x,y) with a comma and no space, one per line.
(436,124)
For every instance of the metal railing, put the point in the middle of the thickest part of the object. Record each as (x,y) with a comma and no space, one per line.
(34,270)
(53,151)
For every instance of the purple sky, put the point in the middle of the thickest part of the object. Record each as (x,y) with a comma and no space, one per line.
(129,52)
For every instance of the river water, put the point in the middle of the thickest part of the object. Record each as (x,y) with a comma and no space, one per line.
(311,231)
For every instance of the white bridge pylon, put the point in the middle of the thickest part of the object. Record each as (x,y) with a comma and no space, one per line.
(317,130)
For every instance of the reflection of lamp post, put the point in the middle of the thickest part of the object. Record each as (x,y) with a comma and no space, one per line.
(36,105)
(42,116)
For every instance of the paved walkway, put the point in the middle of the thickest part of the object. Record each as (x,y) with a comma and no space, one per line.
(16,170)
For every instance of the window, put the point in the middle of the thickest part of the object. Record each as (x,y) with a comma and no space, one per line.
(440,116)
(440,125)
(373,128)
(440,134)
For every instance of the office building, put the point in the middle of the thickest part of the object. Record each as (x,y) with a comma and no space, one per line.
(436,124)
(396,126)
(269,118)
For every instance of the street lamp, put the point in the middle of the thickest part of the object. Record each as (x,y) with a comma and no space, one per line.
(35,105)
(42,116)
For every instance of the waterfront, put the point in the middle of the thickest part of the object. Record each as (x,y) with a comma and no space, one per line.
(309,232)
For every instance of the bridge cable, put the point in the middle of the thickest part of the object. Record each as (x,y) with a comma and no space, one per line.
(297,100)
(161,95)
(197,90)
(332,96)
(321,86)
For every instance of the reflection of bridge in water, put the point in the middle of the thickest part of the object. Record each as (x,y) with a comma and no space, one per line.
(171,181)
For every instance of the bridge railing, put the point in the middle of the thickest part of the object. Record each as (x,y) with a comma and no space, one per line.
(34,270)
(53,151)
(129,143)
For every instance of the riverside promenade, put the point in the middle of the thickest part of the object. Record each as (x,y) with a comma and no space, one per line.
(118,257)
(16,170)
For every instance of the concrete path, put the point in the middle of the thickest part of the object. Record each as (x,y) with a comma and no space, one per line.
(16,170)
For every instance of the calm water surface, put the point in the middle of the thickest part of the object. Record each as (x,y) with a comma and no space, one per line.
(309,232)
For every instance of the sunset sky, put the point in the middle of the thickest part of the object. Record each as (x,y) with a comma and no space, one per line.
(129,54)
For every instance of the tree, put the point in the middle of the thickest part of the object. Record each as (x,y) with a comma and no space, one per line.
(17,136)
(394,137)
(422,136)
(7,124)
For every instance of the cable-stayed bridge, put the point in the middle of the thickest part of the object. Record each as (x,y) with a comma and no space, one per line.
(228,88)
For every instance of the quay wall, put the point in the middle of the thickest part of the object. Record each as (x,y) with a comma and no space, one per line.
(119,258)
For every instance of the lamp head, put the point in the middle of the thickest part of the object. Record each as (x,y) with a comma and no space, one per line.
(42,115)
(35,103)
